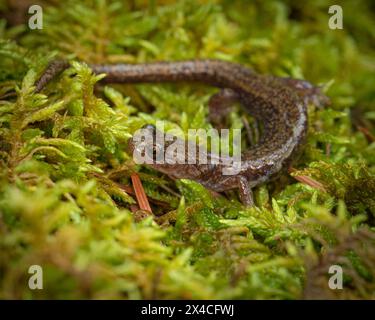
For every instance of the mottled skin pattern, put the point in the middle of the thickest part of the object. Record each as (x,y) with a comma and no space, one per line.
(279,103)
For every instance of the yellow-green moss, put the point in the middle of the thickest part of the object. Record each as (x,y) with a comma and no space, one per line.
(63,162)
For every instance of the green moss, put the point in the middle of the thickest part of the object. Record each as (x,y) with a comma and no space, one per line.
(64,166)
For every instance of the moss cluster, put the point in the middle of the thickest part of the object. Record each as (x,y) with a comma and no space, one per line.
(65,187)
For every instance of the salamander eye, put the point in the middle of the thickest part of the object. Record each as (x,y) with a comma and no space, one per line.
(149,127)
(149,130)
(302,84)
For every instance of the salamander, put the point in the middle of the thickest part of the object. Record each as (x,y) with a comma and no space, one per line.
(280,104)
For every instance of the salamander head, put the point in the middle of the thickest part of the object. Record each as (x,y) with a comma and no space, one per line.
(150,146)
(144,144)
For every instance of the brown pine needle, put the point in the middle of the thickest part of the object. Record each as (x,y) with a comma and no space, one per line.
(134,208)
(140,193)
(367,133)
(308,181)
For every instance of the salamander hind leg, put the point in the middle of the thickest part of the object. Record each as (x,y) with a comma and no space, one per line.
(246,194)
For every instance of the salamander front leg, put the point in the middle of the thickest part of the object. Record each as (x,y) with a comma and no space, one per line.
(308,92)
(246,194)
